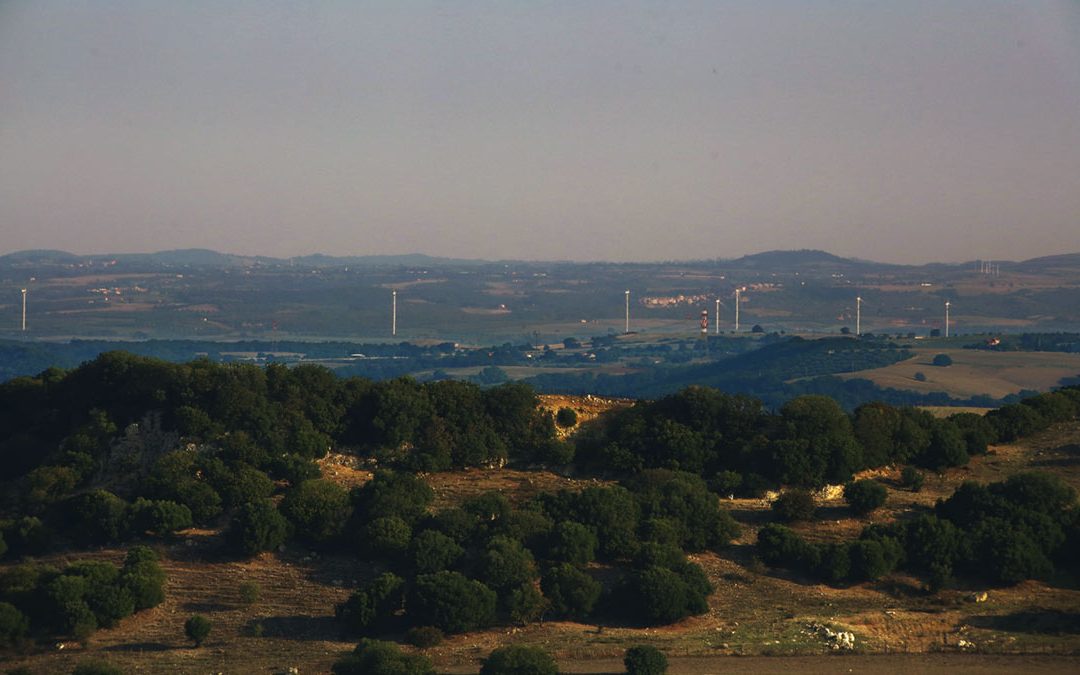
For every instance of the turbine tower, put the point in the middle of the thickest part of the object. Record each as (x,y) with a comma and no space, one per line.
(24,310)
(858,316)
(393,314)
(737,303)
(718,316)
(627,329)
(947,303)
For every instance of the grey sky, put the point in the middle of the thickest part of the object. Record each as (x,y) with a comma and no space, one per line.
(901,131)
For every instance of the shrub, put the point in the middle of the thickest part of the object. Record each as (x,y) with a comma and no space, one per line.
(863,496)
(912,478)
(519,660)
(13,625)
(920,376)
(942,360)
(375,657)
(794,505)
(197,628)
(424,636)
(566,417)
(249,592)
(645,660)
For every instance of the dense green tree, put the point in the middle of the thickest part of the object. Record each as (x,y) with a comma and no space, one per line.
(685,500)
(159,516)
(392,493)
(97,517)
(451,602)
(387,537)
(942,360)
(571,592)
(825,439)
(1014,421)
(431,551)
(876,426)
(317,509)
(143,577)
(257,526)
(572,542)
(506,564)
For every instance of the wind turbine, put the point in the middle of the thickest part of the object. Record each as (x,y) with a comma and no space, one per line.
(393,314)
(718,316)
(858,316)
(24,310)
(737,303)
(627,329)
(947,303)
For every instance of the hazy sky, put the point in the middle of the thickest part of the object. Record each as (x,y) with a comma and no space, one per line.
(901,131)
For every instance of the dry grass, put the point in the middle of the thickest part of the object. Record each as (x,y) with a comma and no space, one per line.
(976,371)
(754,611)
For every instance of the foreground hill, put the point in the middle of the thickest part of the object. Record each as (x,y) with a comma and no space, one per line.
(296,512)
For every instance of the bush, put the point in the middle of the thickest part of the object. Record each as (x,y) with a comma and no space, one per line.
(13,625)
(519,660)
(794,505)
(912,478)
(942,360)
(920,376)
(863,496)
(375,657)
(197,628)
(566,417)
(424,636)
(249,592)
(645,660)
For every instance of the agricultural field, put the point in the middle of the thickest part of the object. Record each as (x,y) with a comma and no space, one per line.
(974,372)
(770,619)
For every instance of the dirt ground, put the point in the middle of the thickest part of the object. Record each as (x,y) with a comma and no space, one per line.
(759,620)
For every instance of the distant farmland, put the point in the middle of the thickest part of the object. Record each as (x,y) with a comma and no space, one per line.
(975,372)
